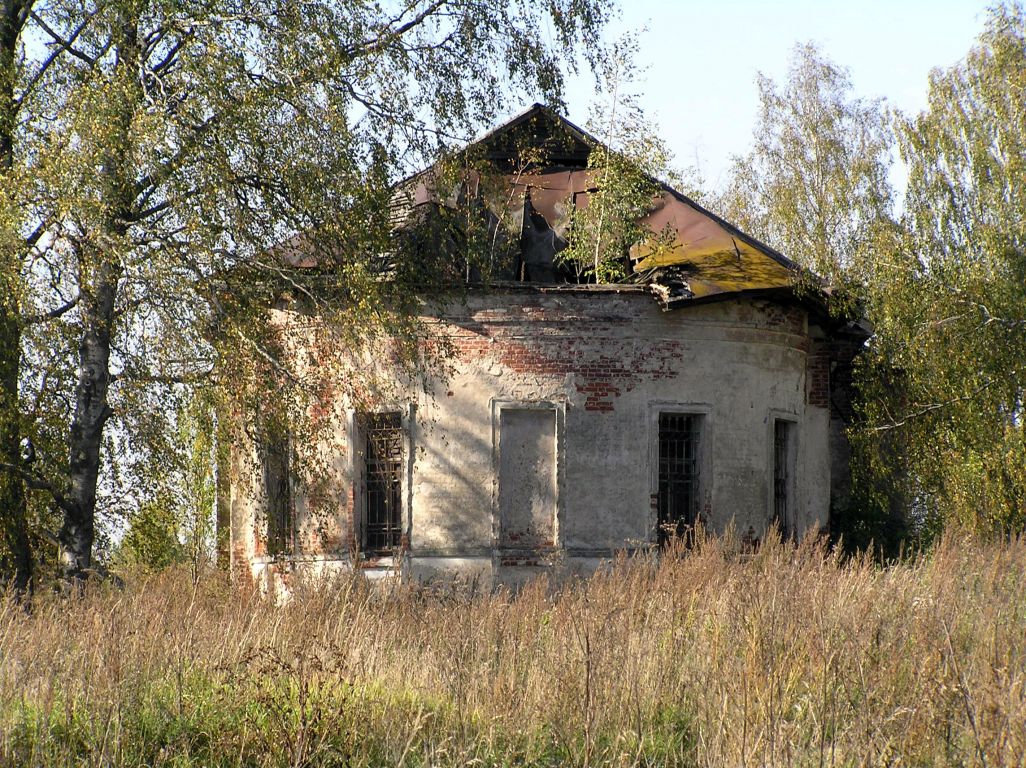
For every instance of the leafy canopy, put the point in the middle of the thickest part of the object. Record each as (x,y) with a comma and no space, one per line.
(814,185)
(175,168)
(945,374)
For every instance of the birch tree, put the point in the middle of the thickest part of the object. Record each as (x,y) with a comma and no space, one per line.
(626,167)
(815,184)
(20,91)
(178,144)
(945,374)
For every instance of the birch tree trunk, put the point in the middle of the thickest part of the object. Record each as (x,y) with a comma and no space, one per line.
(100,272)
(16,552)
(92,411)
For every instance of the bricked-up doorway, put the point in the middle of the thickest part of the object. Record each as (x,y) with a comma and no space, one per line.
(679,469)
(382,518)
(527,475)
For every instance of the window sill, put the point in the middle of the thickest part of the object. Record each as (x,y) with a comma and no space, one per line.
(378,560)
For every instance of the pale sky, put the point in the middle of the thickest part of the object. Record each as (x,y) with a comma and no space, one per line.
(703,56)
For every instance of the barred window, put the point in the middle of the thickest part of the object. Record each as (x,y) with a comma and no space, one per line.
(783,476)
(679,468)
(382,438)
(278,493)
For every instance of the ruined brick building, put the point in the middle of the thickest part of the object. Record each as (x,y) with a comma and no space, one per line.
(579,419)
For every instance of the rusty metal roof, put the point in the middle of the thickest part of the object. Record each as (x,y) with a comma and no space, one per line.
(713,255)
(705,256)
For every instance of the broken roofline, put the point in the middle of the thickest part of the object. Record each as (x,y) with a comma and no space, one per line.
(709,255)
(813,302)
(587,138)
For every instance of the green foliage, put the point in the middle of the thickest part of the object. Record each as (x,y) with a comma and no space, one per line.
(815,187)
(603,231)
(624,171)
(174,523)
(176,168)
(943,289)
(152,540)
(815,184)
(946,371)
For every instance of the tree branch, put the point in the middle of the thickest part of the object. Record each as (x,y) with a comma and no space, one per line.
(376,44)
(929,409)
(64,44)
(37,233)
(51,59)
(262,352)
(137,216)
(193,377)
(166,169)
(53,314)
(172,54)
(37,483)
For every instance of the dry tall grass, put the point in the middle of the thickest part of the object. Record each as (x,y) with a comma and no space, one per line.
(788,657)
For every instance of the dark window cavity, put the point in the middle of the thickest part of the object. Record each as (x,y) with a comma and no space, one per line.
(383,468)
(679,466)
(278,491)
(783,476)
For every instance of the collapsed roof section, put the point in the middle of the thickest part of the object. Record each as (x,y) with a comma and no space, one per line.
(542,159)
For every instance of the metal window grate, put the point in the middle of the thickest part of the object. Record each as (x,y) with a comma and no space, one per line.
(678,473)
(383,456)
(277,488)
(782,476)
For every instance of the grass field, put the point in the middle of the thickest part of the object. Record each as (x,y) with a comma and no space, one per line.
(785,657)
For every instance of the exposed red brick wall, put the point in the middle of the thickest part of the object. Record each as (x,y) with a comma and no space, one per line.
(533,338)
(604,365)
(817,374)
(783,318)
(241,574)
(843,352)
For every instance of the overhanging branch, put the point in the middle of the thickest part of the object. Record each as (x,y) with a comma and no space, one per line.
(38,483)
(930,409)
(53,314)
(65,44)
(48,62)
